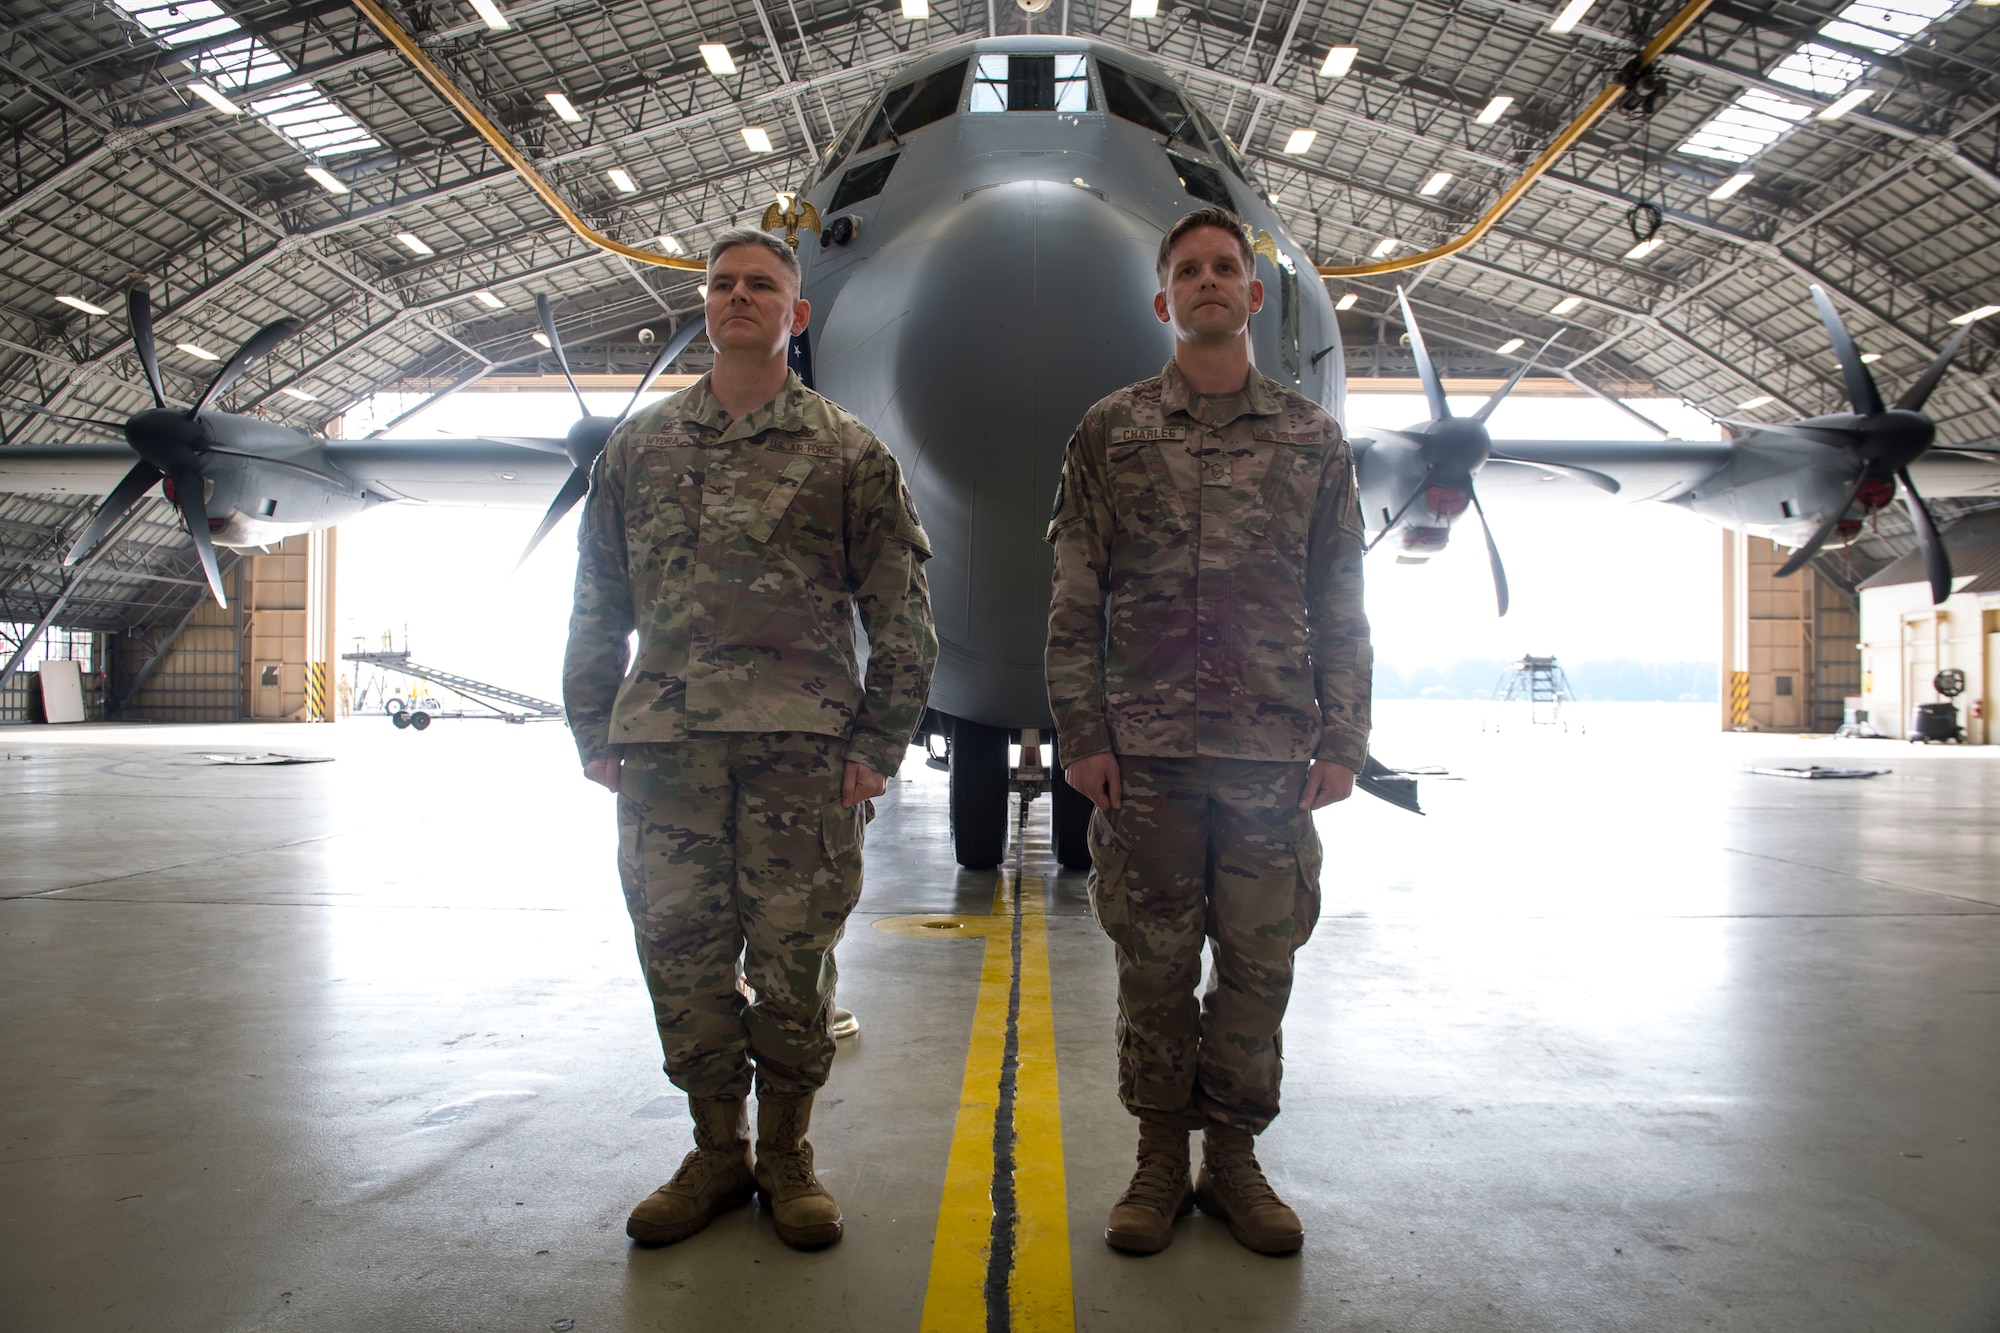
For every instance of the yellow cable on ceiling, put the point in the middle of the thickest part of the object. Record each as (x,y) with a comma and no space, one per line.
(1676,27)
(490,132)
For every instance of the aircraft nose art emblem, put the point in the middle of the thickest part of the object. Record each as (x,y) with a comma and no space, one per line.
(792,215)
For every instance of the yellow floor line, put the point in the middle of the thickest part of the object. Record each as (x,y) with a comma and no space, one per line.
(1040,1298)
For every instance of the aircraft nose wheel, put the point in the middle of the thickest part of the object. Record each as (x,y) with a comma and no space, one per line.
(1069,821)
(978,794)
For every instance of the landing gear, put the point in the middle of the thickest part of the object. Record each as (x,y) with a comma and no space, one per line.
(1069,821)
(978,794)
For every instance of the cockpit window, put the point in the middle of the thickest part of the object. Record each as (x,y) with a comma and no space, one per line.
(845,143)
(862,182)
(1021,82)
(915,105)
(1159,108)
(1218,142)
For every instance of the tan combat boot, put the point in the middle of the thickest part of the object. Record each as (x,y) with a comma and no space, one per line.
(804,1213)
(1142,1221)
(1232,1187)
(714,1178)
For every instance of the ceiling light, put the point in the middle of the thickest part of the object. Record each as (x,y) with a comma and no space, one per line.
(783,198)
(541,338)
(702,287)
(1436,183)
(78,303)
(414,243)
(1494,110)
(716,56)
(1752,404)
(1338,61)
(1567,304)
(326,180)
(1729,188)
(1870,358)
(1346,302)
(299,394)
(1274,198)
(757,138)
(916,9)
(489,11)
(1386,246)
(1974,316)
(199,352)
(1644,248)
(1849,100)
(672,244)
(1511,346)
(1145,9)
(214,98)
(564,108)
(1572,15)
(489,300)
(623,180)
(1300,141)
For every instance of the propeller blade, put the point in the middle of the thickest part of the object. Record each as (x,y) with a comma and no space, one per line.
(142,478)
(1862,394)
(674,347)
(1917,394)
(573,489)
(1811,548)
(1492,550)
(1609,485)
(262,341)
(139,309)
(1426,370)
(555,345)
(1937,562)
(194,513)
(1390,526)
(1500,395)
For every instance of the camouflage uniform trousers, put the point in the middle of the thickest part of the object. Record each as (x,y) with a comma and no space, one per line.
(1204,850)
(734,845)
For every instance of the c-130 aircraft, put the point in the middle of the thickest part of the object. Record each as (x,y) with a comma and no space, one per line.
(978,250)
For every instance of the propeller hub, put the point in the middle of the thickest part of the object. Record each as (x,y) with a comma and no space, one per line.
(166,438)
(1896,438)
(1455,446)
(586,440)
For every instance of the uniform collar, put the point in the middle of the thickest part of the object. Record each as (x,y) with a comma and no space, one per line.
(1258,398)
(784,412)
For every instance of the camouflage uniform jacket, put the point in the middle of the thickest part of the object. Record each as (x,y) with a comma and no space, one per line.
(741,551)
(1208,579)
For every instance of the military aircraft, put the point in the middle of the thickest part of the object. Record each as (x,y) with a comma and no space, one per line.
(978,248)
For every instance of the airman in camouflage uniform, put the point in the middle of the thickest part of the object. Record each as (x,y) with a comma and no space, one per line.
(1206,633)
(741,548)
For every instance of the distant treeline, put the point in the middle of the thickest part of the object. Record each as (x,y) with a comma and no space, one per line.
(1618,680)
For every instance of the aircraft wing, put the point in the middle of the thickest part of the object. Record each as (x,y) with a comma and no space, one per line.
(1642,469)
(1945,473)
(499,473)
(63,469)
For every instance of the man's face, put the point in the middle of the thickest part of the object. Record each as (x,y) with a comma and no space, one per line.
(753,305)
(1210,293)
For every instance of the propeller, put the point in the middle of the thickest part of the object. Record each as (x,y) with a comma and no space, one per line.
(1454,449)
(587,438)
(1883,442)
(170,443)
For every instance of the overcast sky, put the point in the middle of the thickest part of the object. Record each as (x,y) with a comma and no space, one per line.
(1593,577)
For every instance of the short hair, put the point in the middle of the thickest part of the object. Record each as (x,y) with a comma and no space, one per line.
(1210,216)
(736,236)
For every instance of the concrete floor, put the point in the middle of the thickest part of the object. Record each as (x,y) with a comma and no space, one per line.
(1618,1037)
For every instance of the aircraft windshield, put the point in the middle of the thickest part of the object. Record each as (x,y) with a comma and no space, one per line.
(1025,82)
(1159,108)
(915,105)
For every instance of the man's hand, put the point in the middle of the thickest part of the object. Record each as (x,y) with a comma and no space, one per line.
(1097,778)
(604,770)
(1328,782)
(859,783)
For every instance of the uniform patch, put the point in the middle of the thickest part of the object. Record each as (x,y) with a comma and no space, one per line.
(1135,434)
(794,445)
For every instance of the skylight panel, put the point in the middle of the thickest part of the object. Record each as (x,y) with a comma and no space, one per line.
(1885,25)
(1816,69)
(1749,125)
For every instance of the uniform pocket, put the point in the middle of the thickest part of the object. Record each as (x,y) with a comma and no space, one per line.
(787,486)
(1109,859)
(1306,904)
(840,828)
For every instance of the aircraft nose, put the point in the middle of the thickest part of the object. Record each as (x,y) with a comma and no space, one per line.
(972,344)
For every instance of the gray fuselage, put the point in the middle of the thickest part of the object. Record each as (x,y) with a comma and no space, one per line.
(998,282)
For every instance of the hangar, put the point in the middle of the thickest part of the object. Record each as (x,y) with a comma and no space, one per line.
(1649,1041)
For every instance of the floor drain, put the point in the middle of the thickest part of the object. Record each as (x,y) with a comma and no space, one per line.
(944,925)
